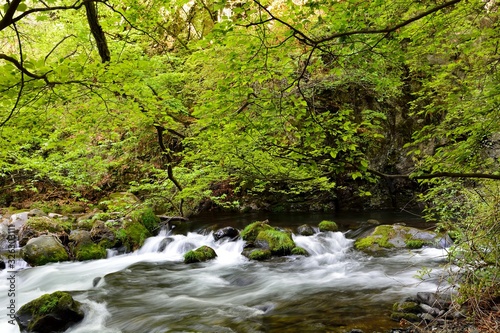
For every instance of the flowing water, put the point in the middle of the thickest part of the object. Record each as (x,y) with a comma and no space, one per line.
(335,289)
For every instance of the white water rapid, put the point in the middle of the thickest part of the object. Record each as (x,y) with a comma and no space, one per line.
(154,291)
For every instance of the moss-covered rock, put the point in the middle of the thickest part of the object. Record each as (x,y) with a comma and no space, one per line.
(90,251)
(278,242)
(132,235)
(299,251)
(395,236)
(407,307)
(54,312)
(328,226)
(147,218)
(259,254)
(251,231)
(44,249)
(42,225)
(203,253)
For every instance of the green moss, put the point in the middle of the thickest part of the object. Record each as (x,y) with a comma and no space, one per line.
(43,223)
(328,226)
(299,251)
(380,237)
(414,243)
(132,235)
(406,307)
(279,242)
(259,254)
(201,254)
(90,251)
(251,231)
(57,302)
(102,217)
(147,218)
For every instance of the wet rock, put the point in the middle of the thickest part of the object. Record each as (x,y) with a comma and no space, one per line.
(2,265)
(96,281)
(44,249)
(227,232)
(164,243)
(203,253)
(427,317)
(83,248)
(299,251)
(101,233)
(305,230)
(50,313)
(328,226)
(430,310)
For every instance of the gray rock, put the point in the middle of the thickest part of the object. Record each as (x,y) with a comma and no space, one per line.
(36,212)
(227,232)
(427,317)
(19,219)
(305,230)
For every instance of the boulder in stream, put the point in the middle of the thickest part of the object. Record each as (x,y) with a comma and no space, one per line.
(44,249)
(278,242)
(50,313)
(227,232)
(396,236)
(305,230)
(203,253)
(249,234)
(328,226)
(42,225)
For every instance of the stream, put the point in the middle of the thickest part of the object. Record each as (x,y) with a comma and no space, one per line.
(335,289)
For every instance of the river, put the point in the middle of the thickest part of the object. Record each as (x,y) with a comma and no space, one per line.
(335,289)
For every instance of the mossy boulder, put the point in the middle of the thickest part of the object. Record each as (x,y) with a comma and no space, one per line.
(396,236)
(278,242)
(83,248)
(259,254)
(203,253)
(252,230)
(147,218)
(44,249)
(299,251)
(49,313)
(42,225)
(328,226)
(119,201)
(132,234)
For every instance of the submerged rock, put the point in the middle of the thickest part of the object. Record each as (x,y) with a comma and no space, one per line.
(203,253)
(44,249)
(49,313)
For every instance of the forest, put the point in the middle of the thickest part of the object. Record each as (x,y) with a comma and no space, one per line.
(284,105)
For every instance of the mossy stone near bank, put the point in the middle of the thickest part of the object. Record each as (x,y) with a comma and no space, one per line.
(203,253)
(44,249)
(54,312)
